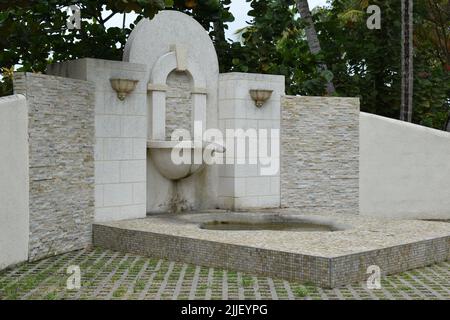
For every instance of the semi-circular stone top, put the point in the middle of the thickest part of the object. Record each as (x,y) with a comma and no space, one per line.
(153,38)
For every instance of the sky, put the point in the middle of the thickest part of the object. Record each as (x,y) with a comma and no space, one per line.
(239,9)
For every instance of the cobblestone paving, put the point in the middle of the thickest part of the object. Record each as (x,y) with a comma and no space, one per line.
(113,275)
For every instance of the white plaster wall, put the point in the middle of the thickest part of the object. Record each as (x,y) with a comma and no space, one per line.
(14,210)
(121,136)
(243,186)
(404,169)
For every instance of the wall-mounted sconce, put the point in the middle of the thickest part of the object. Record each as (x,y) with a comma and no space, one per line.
(260,96)
(123,87)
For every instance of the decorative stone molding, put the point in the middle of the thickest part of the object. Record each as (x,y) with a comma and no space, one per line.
(199,91)
(260,96)
(157,87)
(123,87)
(180,52)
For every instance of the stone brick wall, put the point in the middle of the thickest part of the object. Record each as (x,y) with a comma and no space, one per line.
(178,103)
(320,154)
(61,162)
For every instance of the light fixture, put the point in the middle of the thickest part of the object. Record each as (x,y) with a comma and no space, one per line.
(123,87)
(260,96)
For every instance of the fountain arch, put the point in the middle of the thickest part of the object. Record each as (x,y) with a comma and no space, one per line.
(157,87)
(173,41)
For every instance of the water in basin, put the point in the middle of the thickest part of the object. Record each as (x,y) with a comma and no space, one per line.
(274,226)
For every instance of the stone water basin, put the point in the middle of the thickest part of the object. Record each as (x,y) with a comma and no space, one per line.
(339,251)
(161,154)
(243,221)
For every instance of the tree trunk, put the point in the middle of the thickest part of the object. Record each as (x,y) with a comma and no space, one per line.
(447,124)
(406,107)
(311,36)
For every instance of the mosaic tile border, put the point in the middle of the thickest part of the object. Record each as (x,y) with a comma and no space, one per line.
(320,271)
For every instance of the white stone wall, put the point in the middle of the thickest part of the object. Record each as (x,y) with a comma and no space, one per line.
(148,43)
(404,169)
(242,185)
(319,153)
(121,137)
(14,211)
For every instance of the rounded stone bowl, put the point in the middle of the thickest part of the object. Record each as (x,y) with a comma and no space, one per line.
(161,155)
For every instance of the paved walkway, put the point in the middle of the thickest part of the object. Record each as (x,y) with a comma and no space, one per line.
(114,275)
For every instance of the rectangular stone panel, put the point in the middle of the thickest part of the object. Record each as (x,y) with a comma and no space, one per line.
(61,132)
(320,154)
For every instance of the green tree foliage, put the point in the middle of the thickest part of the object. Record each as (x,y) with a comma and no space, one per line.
(34,33)
(373,57)
(363,63)
(432,63)
(275,43)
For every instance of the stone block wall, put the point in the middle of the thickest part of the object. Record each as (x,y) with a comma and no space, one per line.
(120,136)
(320,154)
(61,162)
(241,182)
